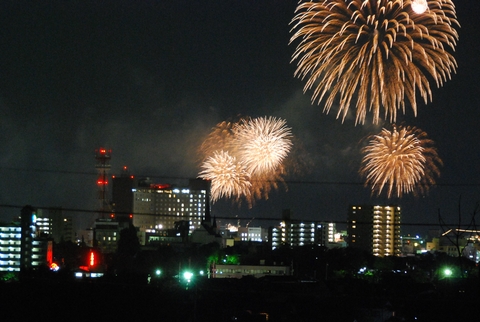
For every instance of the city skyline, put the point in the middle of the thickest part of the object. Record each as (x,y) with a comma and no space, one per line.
(150,81)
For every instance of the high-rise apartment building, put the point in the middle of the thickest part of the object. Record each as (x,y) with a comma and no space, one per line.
(10,247)
(375,229)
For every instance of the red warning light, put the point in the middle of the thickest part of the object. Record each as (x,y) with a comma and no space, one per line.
(102,182)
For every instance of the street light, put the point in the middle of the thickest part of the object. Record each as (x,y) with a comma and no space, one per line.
(188,276)
(447,272)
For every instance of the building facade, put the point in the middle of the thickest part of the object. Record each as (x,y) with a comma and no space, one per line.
(375,229)
(22,248)
(161,207)
(10,244)
(54,224)
(239,271)
(122,195)
(254,234)
(295,233)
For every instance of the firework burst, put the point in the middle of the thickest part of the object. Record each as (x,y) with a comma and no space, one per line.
(404,160)
(244,159)
(265,142)
(228,177)
(374,53)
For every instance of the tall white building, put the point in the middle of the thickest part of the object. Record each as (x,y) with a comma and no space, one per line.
(160,206)
(10,244)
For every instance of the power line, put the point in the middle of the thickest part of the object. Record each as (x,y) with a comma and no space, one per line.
(278,219)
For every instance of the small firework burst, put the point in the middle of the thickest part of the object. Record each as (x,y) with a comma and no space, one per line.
(228,177)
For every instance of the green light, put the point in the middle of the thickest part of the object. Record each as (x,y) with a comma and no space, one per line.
(188,276)
(158,272)
(447,272)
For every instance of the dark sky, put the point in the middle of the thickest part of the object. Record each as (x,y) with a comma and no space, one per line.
(149,79)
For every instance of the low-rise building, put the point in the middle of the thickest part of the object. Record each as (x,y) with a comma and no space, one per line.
(239,271)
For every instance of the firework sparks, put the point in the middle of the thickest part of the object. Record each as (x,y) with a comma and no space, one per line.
(219,139)
(228,177)
(374,53)
(249,164)
(264,142)
(403,159)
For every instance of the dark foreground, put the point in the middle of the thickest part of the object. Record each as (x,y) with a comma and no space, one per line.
(237,300)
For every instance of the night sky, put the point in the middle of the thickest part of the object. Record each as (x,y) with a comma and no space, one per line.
(149,79)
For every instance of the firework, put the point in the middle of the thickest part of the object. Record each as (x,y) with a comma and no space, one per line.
(244,159)
(404,160)
(219,139)
(264,142)
(228,177)
(374,54)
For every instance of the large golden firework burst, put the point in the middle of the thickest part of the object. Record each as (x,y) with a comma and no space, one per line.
(403,159)
(374,54)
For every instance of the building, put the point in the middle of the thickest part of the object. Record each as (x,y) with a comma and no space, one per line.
(106,235)
(102,164)
(412,245)
(54,224)
(375,229)
(22,247)
(239,271)
(122,195)
(10,244)
(457,241)
(301,233)
(162,206)
(254,234)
